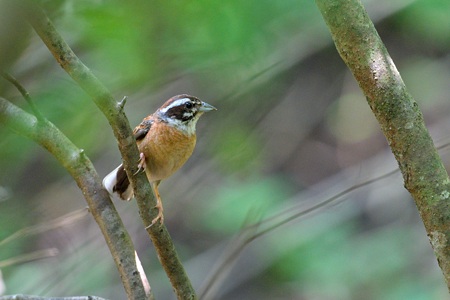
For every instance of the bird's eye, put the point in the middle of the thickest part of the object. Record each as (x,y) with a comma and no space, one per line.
(189,105)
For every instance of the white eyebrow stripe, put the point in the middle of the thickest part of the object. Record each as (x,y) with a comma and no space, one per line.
(174,104)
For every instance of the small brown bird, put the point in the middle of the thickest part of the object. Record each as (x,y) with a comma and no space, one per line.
(165,139)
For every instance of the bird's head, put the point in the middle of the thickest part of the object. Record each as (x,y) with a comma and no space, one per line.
(183,112)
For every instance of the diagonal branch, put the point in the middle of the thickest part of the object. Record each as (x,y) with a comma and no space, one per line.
(401,120)
(24,93)
(33,297)
(52,224)
(113,111)
(80,167)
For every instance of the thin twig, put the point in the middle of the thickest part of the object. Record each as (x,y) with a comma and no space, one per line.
(24,93)
(330,201)
(64,220)
(250,233)
(230,255)
(243,239)
(121,103)
(29,257)
(33,297)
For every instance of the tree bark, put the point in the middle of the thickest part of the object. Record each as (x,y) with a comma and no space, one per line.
(399,116)
(113,111)
(80,167)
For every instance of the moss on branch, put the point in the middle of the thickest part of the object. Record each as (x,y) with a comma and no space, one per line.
(399,116)
(80,167)
(113,111)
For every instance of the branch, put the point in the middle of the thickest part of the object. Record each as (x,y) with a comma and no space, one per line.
(401,120)
(80,167)
(32,297)
(23,258)
(64,220)
(113,111)
(24,93)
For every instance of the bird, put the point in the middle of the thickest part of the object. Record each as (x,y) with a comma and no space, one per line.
(166,140)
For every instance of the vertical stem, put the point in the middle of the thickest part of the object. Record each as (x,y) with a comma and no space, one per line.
(113,111)
(399,116)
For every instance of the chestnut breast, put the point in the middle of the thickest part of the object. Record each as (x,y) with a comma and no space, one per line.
(166,149)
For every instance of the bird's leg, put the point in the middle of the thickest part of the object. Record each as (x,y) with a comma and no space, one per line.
(159,205)
(141,163)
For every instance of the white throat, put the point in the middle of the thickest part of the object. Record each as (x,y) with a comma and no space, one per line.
(188,128)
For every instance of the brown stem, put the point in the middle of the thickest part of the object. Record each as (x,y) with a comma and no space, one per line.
(113,111)
(399,116)
(80,167)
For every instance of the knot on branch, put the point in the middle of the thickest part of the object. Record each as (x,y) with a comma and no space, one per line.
(121,103)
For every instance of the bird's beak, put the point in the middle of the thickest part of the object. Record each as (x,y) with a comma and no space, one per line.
(206,107)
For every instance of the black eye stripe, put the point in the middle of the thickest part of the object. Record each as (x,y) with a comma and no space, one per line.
(181,113)
(183,109)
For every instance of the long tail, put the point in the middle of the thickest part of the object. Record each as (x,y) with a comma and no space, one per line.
(117,182)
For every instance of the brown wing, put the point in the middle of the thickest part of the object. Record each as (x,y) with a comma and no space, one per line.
(142,129)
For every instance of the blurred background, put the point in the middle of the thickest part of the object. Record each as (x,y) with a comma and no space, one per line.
(293,148)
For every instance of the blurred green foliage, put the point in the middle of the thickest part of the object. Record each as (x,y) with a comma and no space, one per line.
(429,21)
(349,268)
(290,116)
(238,149)
(238,202)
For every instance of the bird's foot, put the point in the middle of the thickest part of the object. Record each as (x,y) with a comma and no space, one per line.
(141,163)
(159,217)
